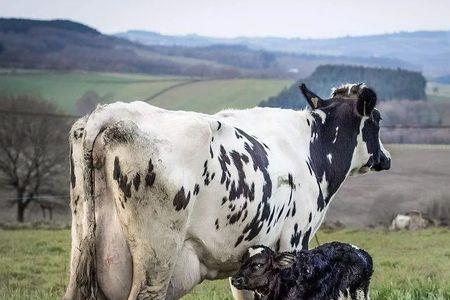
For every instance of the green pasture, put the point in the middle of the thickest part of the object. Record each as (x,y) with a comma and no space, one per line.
(170,92)
(438,91)
(408,265)
(211,96)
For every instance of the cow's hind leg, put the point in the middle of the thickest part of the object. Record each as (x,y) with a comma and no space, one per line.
(188,272)
(152,208)
(154,256)
(155,232)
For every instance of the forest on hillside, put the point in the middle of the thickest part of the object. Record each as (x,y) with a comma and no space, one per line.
(66,45)
(390,84)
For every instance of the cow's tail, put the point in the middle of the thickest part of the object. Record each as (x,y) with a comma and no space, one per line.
(86,271)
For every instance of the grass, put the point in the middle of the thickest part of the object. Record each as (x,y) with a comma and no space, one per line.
(438,91)
(208,96)
(212,96)
(33,263)
(408,265)
(65,88)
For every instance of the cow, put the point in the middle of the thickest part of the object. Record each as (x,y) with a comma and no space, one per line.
(331,271)
(162,200)
(412,220)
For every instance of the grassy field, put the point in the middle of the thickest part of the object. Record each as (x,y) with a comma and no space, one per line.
(178,92)
(419,175)
(438,91)
(212,96)
(408,265)
(209,96)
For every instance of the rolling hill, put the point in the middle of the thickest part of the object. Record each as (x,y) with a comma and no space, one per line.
(171,92)
(426,51)
(67,45)
(389,84)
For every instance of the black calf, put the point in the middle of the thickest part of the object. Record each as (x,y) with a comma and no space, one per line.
(330,271)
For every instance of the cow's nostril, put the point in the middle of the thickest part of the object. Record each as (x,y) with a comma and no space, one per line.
(388,164)
(237,281)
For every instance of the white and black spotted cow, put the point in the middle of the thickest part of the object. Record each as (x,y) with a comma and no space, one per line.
(162,200)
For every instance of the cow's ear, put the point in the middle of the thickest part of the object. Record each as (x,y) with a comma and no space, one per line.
(367,99)
(313,100)
(284,260)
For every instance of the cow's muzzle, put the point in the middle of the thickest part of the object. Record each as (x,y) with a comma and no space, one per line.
(383,164)
(238,282)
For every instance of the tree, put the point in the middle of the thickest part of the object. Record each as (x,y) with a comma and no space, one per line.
(33,148)
(89,101)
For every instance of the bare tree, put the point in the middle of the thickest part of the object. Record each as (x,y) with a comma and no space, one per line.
(89,100)
(33,148)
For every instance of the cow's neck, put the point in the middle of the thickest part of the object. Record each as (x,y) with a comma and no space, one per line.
(331,149)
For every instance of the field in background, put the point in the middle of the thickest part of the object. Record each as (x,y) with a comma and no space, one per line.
(408,265)
(438,91)
(419,175)
(212,96)
(170,92)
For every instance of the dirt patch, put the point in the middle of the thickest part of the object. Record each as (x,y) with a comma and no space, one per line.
(418,173)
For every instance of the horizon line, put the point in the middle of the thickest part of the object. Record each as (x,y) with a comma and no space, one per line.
(231,37)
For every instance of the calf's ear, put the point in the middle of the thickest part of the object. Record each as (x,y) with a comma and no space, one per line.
(284,260)
(367,99)
(313,100)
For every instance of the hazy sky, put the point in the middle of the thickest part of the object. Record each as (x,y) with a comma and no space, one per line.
(228,18)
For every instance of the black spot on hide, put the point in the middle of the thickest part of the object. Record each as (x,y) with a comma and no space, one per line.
(196,189)
(137,181)
(217,224)
(122,180)
(295,238)
(239,240)
(181,200)
(151,176)
(305,240)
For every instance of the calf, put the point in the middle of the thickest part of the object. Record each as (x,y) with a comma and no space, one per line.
(330,271)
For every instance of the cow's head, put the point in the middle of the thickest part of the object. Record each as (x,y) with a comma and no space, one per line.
(259,267)
(350,120)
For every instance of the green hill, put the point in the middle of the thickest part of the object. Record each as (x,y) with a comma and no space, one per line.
(428,51)
(66,45)
(187,93)
(389,84)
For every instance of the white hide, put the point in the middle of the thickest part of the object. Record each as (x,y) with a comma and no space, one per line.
(178,143)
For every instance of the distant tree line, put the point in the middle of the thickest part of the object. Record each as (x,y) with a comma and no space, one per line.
(66,45)
(25,25)
(232,55)
(390,84)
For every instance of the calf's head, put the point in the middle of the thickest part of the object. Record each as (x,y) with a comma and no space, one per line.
(259,268)
(347,128)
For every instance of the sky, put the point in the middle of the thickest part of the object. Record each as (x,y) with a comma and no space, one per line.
(231,18)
